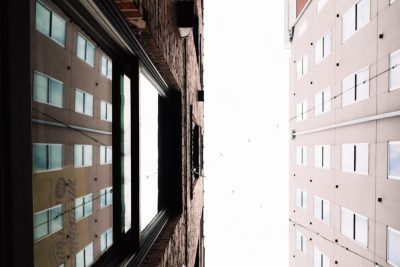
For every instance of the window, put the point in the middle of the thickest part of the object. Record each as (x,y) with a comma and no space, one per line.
(302,155)
(302,111)
(83,155)
(323,47)
(105,155)
(83,206)
(356,17)
(47,157)
(320,259)
(393,246)
(302,66)
(85,50)
(106,67)
(196,137)
(321,4)
(50,24)
(105,111)
(322,156)
(301,242)
(355,158)
(322,209)
(301,198)
(48,221)
(392,1)
(47,90)
(323,101)
(83,102)
(355,87)
(394,72)
(354,226)
(394,160)
(106,197)
(84,257)
(106,240)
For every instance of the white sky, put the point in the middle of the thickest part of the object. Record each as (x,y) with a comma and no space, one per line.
(246,134)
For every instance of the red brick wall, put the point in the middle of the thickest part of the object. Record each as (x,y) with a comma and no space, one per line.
(300,5)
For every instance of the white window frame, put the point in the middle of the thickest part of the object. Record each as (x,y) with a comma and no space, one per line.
(397,143)
(49,34)
(323,101)
(87,256)
(396,232)
(49,90)
(106,197)
(85,96)
(323,47)
(48,149)
(301,198)
(356,88)
(301,242)
(106,64)
(322,156)
(301,155)
(394,69)
(355,217)
(106,237)
(353,14)
(302,67)
(85,162)
(301,113)
(83,203)
(50,231)
(353,153)
(105,155)
(87,43)
(320,259)
(325,213)
(321,4)
(105,109)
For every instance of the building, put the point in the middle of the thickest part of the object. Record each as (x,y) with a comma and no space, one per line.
(101,133)
(345,121)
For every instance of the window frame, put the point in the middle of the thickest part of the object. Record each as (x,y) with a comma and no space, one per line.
(301,195)
(108,61)
(322,257)
(300,239)
(324,203)
(49,78)
(396,86)
(326,106)
(353,10)
(47,157)
(302,111)
(303,63)
(85,59)
(107,191)
(355,85)
(302,152)
(84,102)
(324,149)
(108,106)
(355,215)
(320,55)
(83,206)
(106,161)
(82,164)
(356,169)
(48,212)
(50,23)
(83,250)
(388,161)
(397,232)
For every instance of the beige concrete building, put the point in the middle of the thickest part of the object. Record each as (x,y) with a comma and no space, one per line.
(345,118)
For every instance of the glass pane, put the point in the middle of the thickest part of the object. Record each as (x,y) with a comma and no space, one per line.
(78,155)
(348,24)
(394,73)
(393,246)
(90,53)
(89,255)
(103,242)
(109,196)
(298,240)
(348,90)
(299,108)
(40,92)
(326,261)
(102,197)
(109,237)
(317,208)
(299,68)
(79,96)
(88,204)
(327,44)
(40,158)
(40,224)
(78,208)
(148,150)
(362,230)
(362,82)
(363,10)
(88,104)
(109,154)
(109,71)
(346,223)
(109,112)
(362,158)
(305,64)
(126,158)
(104,66)
(298,197)
(318,156)
(56,219)
(326,211)
(102,154)
(327,156)
(327,100)
(81,47)
(58,28)
(79,258)
(88,155)
(394,160)
(318,51)
(318,103)
(317,258)
(56,93)
(103,110)
(42,19)
(348,157)
(55,156)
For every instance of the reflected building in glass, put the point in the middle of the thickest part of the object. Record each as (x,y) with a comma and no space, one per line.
(345,123)
(110,119)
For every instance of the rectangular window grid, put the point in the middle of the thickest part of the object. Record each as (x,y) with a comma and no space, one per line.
(50,24)
(47,157)
(83,102)
(106,197)
(83,206)
(354,226)
(85,50)
(83,155)
(47,221)
(47,90)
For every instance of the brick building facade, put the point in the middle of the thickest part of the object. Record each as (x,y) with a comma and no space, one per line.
(102,133)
